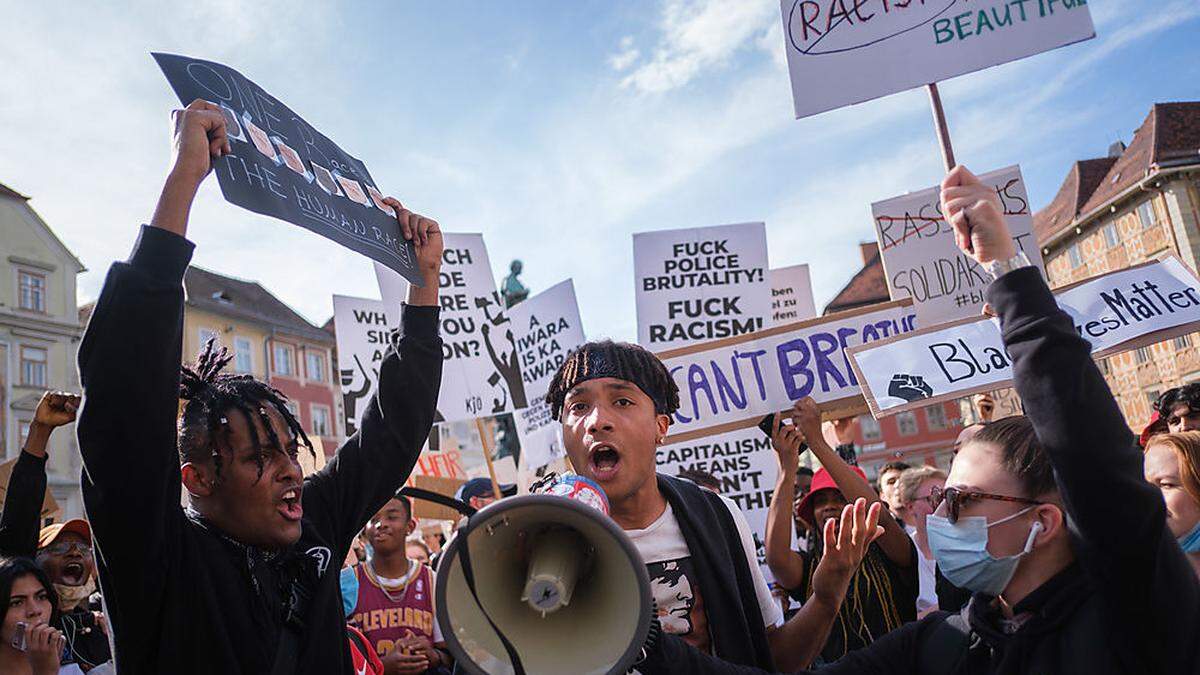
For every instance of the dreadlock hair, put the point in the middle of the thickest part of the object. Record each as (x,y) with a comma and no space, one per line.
(624,361)
(212,394)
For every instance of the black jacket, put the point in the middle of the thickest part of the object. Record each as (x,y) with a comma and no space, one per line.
(1131,602)
(180,596)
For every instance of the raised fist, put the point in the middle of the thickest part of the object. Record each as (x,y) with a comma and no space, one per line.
(974,211)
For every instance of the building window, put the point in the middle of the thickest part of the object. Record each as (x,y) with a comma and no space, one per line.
(314,365)
(1142,355)
(936,415)
(1111,237)
(294,408)
(1145,212)
(1105,368)
(907,423)
(244,355)
(283,360)
(1075,256)
(1152,397)
(870,428)
(32,290)
(23,432)
(1183,341)
(207,334)
(320,420)
(33,366)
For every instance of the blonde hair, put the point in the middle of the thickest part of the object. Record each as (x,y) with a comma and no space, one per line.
(910,481)
(1186,445)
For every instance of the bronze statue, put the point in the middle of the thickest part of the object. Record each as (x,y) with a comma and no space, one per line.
(513,290)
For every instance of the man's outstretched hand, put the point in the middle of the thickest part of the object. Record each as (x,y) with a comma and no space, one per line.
(846,545)
(975,212)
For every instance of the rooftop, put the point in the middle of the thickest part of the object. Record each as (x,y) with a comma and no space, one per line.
(247,300)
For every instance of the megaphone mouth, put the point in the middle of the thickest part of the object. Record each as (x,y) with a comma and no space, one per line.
(543,568)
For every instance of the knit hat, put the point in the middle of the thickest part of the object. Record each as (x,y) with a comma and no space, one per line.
(620,360)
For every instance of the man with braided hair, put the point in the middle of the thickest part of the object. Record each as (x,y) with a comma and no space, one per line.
(244,580)
(615,402)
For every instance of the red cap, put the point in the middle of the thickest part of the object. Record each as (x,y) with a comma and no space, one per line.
(1157,425)
(821,481)
(50,533)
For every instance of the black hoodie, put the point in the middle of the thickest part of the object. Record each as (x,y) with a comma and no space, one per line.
(1131,601)
(181,597)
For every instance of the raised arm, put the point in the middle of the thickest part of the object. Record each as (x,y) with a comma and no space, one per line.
(895,542)
(1096,463)
(376,461)
(129,362)
(19,522)
(786,564)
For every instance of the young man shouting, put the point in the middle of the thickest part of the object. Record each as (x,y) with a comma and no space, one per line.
(246,579)
(615,403)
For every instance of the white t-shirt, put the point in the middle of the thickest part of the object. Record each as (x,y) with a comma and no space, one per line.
(669,562)
(927,579)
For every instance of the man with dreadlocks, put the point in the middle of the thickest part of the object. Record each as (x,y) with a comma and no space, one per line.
(245,580)
(615,402)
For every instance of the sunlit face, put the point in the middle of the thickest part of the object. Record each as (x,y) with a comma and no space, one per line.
(417,552)
(1183,418)
(977,468)
(263,511)
(920,508)
(827,503)
(388,529)
(29,603)
(1161,467)
(888,482)
(68,559)
(611,431)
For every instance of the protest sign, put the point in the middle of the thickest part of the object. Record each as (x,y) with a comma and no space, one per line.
(547,327)
(1115,312)
(283,167)
(363,329)
(791,295)
(841,52)
(922,261)
(481,375)
(700,284)
(732,383)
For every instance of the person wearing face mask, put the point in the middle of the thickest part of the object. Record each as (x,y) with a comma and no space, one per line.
(1113,593)
(62,550)
(1173,466)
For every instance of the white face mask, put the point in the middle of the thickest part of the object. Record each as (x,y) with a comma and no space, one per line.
(961,552)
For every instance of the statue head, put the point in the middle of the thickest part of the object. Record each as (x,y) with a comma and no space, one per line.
(515,267)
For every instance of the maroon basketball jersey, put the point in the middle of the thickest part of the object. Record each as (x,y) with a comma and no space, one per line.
(385,615)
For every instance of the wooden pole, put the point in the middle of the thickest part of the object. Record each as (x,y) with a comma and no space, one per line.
(939,125)
(485,439)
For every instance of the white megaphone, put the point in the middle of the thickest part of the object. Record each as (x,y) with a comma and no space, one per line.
(544,584)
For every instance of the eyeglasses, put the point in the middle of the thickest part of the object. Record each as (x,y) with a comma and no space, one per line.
(955,498)
(65,547)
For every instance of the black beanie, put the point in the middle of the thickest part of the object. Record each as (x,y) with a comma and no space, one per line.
(620,360)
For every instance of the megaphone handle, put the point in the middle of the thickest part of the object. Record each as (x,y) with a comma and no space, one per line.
(469,577)
(438,498)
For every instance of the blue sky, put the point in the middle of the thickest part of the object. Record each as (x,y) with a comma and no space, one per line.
(557,129)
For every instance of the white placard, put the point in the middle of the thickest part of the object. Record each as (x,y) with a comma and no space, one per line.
(363,328)
(1115,312)
(921,260)
(841,52)
(731,384)
(481,375)
(547,327)
(700,284)
(791,295)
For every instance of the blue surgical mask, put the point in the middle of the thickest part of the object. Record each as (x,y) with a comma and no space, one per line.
(1190,542)
(962,556)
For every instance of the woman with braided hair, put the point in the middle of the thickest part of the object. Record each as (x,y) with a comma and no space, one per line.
(245,578)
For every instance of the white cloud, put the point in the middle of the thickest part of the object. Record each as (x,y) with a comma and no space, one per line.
(700,34)
(624,58)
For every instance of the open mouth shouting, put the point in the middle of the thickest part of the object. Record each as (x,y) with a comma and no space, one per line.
(289,504)
(73,574)
(604,461)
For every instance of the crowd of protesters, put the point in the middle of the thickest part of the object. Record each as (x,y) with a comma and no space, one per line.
(1056,543)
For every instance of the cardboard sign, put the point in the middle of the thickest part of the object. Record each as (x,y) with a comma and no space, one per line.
(700,284)
(731,384)
(547,327)
(363,329)
(921,260)
(481,375)
(283,167)
(841,52)
(791,295)
(1116,312)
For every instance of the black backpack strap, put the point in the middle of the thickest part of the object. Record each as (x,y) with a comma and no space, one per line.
(943,651)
